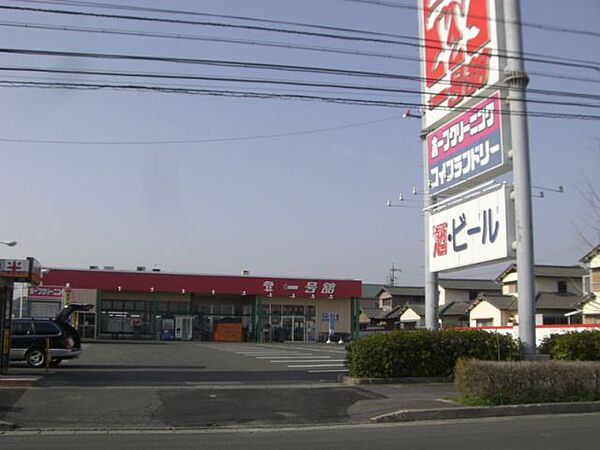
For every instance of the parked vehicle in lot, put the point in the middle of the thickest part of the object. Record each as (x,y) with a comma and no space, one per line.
(28,338)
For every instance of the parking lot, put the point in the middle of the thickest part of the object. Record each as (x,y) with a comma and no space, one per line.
(188,363)
(118,385)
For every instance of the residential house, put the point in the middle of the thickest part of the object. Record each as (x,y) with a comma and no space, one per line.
(559,279)
(590,304)
(369,297)
(454,314)
(410,316)
(464,290)
(455,296)
(551,308)
(391,297)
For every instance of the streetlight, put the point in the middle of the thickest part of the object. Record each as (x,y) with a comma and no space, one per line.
(9,243)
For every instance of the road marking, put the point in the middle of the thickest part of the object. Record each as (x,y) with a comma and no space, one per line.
(292,357)
(309,361)
(327,370)
(298,366)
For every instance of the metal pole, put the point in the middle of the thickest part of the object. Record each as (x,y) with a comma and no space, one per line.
(431,278)
(516,80)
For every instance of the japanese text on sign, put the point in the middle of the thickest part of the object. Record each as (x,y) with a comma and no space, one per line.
(475,231)
(466,147)
(460,42)
(309,288)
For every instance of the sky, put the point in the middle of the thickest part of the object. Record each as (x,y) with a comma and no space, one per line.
(279,187)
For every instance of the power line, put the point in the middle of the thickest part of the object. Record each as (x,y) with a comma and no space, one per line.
(100,5)
(105,31)
(197,141)
(540,26)
(415,42)
(276,82)
(225,63)
(262,95)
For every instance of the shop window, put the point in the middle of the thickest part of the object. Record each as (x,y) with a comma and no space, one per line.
(117,305)
(139,305)
(162,307)
(128,305)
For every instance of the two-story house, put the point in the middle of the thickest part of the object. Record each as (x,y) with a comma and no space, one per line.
(559,291)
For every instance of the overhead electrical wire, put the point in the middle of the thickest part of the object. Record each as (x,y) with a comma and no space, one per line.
(198,141)
(588,65)
(262,95)
(229,64)
(279,82)
(100,5)
(540,26)
(137,33)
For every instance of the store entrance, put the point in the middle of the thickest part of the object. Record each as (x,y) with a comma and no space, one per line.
(294,328)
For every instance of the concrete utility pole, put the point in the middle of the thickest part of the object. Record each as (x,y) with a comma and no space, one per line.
(516,80)
(431,278)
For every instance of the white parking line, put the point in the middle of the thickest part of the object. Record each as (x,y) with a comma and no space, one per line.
(308,361)
(314,365)
(327,370)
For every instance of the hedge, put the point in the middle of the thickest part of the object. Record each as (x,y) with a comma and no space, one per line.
(424,353)
(522,382)
(583,346)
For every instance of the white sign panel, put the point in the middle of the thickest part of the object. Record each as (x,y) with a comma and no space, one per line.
(459,57)
(479,230)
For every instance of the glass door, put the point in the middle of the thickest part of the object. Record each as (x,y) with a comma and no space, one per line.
(299,329)
(287,327)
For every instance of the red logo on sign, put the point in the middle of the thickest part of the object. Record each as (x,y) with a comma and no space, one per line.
(456,33)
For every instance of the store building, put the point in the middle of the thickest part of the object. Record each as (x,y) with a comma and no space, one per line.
(158,305)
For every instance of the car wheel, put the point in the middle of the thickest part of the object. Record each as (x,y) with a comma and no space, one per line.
(55,362)
(36,358)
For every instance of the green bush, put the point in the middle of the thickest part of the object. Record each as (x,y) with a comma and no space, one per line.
(424,353)
(582,346)
(521,382)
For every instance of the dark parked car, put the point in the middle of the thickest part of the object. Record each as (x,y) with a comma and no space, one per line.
(28,338)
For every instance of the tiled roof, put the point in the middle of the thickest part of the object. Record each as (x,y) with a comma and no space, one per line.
(371,290)
(455,309)
(400,291)
(471,285)
(374,313)
(592,254)
(548,271)
(549,300)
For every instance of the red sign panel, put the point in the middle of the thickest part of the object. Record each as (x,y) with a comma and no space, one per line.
(460,52)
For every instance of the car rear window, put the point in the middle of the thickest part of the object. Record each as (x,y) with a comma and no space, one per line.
(45,328)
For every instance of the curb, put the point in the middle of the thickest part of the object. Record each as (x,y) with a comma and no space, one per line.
(16,382)
(405,380)
(475,412)
(7,426)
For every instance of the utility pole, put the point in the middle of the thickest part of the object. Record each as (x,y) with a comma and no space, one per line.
(431,278)
(517,80)
(392,278)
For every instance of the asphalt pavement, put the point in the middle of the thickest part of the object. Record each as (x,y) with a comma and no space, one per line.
(192,385)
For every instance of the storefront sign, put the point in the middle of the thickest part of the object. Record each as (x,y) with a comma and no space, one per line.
(469,149)
(46,292)
(460,53)
(21,270)
(476,231)
(307,289)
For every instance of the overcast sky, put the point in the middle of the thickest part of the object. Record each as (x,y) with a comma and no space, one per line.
(277,187)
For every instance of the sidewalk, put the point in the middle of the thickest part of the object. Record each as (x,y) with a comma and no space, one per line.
(433,401)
